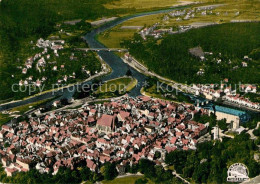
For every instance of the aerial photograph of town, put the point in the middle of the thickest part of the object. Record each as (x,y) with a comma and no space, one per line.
(129,91)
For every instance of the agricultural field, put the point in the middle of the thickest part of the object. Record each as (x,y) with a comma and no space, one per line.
(114,37)
(223,12)
(145,4)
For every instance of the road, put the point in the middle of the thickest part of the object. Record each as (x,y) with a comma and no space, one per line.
(104,49)
(77,103)
(240,106)
(255,180)
(178,176)
(65,91)
(142,69)
(250,132)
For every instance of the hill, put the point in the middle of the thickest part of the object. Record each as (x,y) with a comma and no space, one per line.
(225,46)
(23,21)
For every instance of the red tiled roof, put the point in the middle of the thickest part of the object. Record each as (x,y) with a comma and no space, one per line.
(170,149)
(173,140)
(105,120)
(124,114)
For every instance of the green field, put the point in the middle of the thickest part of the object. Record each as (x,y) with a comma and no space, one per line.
(152,90)
(114,37)
(248,10)
(144,4)
(116,87)
(26,21)
(4,118)
(126,180)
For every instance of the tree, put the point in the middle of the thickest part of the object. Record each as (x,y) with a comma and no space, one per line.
(141,181)
(134,168)
(85,173)
(222,124)
(109,171)
(157,154)
(64,101)
(257,132)
(147,168)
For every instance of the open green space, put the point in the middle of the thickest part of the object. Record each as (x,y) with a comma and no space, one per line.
(248,10)
(4,118)
(152,89)
(26,21)
(144,4)
(22,109)
(116,87)
(126,180)
(113,38)
(228,42)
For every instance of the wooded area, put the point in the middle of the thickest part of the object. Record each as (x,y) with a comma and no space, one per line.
(170,57)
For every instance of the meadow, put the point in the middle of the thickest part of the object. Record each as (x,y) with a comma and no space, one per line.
(114,37)
(126,180)
(26,21)
(145,4)
(116,87)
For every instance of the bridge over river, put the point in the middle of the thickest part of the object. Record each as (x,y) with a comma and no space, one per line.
(103,49)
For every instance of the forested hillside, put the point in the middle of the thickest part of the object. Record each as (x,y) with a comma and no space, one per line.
(24,20)
(210,162)
(229,43)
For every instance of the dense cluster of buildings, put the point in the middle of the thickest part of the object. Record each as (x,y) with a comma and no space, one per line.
(242,101)
(226,93)
(47,59)
(121,131)
(40,60)
(158,30)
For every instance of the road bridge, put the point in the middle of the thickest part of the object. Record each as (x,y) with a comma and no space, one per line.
(103,49)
